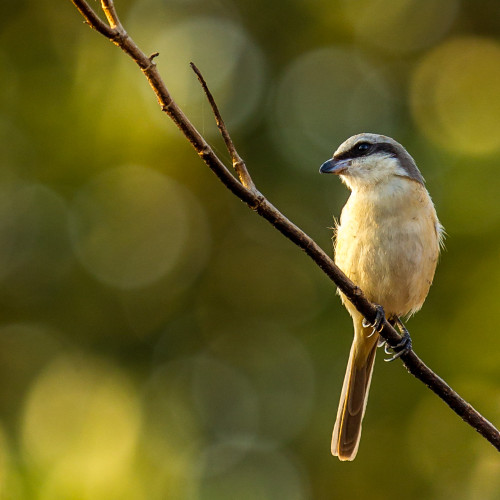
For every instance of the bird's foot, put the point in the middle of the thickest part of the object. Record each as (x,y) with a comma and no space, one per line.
(378,324)
(403,347)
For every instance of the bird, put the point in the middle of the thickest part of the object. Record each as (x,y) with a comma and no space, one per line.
(387,242)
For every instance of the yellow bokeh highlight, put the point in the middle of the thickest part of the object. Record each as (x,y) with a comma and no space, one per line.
(455,98)
(81,421)
(400,26)
(228,57)
(66,482)
(128,226)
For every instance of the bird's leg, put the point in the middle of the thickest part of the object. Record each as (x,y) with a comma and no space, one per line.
(405,344)
(378,324)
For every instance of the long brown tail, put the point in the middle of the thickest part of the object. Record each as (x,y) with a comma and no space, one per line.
(347,430)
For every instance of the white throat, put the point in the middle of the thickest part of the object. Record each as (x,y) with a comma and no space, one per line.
(380,170)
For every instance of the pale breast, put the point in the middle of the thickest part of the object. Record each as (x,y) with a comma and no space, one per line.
(388,244)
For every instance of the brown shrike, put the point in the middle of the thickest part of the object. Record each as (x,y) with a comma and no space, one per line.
(387,243)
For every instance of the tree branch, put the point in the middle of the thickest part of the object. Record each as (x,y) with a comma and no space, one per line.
(246,191)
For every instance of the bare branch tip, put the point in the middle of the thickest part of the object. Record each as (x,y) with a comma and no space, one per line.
(198,74)
(153,56)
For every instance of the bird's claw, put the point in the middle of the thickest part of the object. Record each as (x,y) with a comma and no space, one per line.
(378,324)
(404,346)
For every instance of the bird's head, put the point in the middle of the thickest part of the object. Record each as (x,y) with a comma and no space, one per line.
(365,160)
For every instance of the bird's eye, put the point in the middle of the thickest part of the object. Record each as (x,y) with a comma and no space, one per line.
(362,147)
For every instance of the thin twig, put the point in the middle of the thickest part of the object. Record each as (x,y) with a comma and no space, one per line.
(246,191)
(238,163)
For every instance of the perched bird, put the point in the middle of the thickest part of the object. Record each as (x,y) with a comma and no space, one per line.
(387,242)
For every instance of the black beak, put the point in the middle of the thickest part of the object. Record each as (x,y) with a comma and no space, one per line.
(334,166)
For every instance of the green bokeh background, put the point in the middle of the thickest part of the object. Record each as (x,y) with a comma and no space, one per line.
(158,340)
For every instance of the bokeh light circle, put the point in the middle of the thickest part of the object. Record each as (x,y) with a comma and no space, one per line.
(324,97)
(128,226)
(147,309)
(455,98)
(224,399)
(262,474)
(281,373)
(84,413)
(403,26)
(231,63)
(171,427)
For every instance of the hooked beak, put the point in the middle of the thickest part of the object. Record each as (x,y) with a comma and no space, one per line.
(334,166)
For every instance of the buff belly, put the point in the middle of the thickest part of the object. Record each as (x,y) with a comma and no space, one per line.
(392,262)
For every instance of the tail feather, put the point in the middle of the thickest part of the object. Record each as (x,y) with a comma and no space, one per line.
(347,430)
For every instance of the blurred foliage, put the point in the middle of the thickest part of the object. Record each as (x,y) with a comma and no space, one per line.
(157,339)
